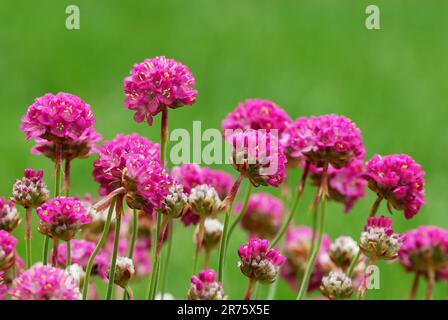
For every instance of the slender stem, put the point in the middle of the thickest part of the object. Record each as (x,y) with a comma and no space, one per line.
(67,177)
(113,263)
(167,258)
(134,234)
(163,135)
(222,248)
(54,258)
(199,239)
(363,287)
(28,236)
(375,206)
(129,292)
(431,280)
(249,289)
(353,264)
(295,205)
(314,225)
(68,261)
(413,291)
(45,250)
(272,290)
(14,270)
(155,259)
(98,247)
(241,214)
(207,259)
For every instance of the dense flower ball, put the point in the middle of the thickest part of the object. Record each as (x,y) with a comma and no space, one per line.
(31,191)
(378,240)
(263,216)
(213,229)
(297,252)
(257,114)
(124,270)
(336,286)
(62,117)
(424,248)
(257,155)
(342,251)
(62,217)
(9,217)
(399,179)
(204,200)
(157,83)
(258,262)
(176,202)
(297,138)
(81,250)
(3,287)
(112,158)
(205,287)
(7,250)
(44,283)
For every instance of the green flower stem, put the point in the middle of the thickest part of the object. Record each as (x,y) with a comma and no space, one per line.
(167,259)
(129,293)
(132,244)
(363,287)
(98,247)
(28,237)
(241,214)
(113,263)
(250,286)
(45,250)
(272,290)
(414,288)
(54,258)
(155,258)
(375,206)
(431,280)
(353,264)
(68,262)
(295,205)
(67,178)
(163,135)
(199,239)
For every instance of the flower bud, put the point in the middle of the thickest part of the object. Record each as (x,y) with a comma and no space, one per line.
(204,200)
(7,250)
(336,286)
(9,217)
(31,191)
(378,240)
(124,270)
(342,251)
(176,202)
(205,287)
(212,234)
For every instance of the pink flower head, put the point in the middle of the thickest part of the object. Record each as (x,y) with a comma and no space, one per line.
(9,217)
(259,262)
(257,155)
(399,179)
(379,240)
(257,114)
(297,252)
(155,83)
(44,283)
(62,217)
(297,138)
(263,216)
(424,248)
(81,250)
(346,185)
(111,163)
(62,117)
(205,287)
(31,191)
(7,249)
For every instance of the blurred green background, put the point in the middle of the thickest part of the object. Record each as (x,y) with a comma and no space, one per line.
(310,57)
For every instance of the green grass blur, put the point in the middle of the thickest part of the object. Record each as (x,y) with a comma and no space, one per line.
(309,56)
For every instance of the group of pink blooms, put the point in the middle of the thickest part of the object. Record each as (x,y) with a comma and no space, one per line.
(140,201)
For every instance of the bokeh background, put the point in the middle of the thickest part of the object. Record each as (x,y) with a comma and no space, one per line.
(310,57)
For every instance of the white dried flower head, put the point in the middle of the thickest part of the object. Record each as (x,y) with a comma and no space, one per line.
(175,202)
(336,285)
(343,250)
(124,270)
(204,200)
(213,229)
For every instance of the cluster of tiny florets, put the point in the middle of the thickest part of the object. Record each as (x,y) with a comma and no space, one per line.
(30,191)
(205,287)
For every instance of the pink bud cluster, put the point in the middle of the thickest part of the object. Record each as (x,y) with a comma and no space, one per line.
(31,191)
(7,249)
(9,217)
(205,287)
(378,241)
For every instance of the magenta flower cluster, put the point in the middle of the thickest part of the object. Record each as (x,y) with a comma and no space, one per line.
(205,287)
(7,244)
(30,191)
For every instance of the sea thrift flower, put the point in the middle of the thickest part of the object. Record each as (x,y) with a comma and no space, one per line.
(398,179)
(175,203)
(44,283)
(77,273)
(336,286)
(157,83)
(257,114)
(3,287)
(212,234)
(124,271)
(9,217)
(297,138)
(297,252)
(62,217)
(7,250)
(378,241)
(205,287)
(258,156)
(204,200)
(31,191)
(258,262)
(263,216)
(61,118)
(342,251)
(424,248)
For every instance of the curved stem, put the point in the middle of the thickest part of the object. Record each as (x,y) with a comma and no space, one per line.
(431,280)
(249,289)
(68,261)
(98,247)
(28,236)
(240,215)
(167,259)
(129,292)
(113,263)
(413,291)
(375,206)
(295,205)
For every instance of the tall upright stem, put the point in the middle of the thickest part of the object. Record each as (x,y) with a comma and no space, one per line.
(363,288)
(68,261)
(134,234)
(155,259)
(54,258)
(375,206)
(199,239)
(167,259)
(431,280)
(163,135)
(67,178)
(413,291)
(250,286)
(295,205)
(98,247)
(28,236)
(113,263)
(45,250)
(241,214)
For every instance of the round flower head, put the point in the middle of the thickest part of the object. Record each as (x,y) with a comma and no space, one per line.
(77,273)
(297,252)
(3,287)
(175,203)
(62,217)
(124,271)
(263,216)
(205,287)
(212,234)
(297,138)
(81,250)
(399,179)
(424,248)
(31,191)
(256,154)
(258,262)
(9,217)
(62,118)
(204,200)
(379,240)
(44,283)
(334,139)
(336,286)
(257,114)
(342,251)
(156,83)
(7,250)
(112,158)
